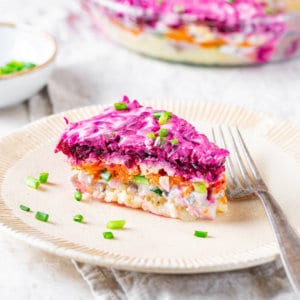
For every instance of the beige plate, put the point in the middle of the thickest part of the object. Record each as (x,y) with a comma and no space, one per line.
(150,243)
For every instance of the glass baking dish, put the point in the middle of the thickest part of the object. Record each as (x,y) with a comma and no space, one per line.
(181,36)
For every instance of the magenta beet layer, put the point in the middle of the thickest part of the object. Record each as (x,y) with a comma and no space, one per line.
(249,31)
(126,137)
(221,12)
(224,16)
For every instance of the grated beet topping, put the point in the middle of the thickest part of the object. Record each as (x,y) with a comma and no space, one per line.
(120,137)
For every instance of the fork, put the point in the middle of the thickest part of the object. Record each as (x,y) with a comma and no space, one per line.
(247,181)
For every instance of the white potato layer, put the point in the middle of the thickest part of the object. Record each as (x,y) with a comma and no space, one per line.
(171,203)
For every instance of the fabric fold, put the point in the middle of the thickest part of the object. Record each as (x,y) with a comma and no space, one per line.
(101,281)
(267,281)
(39,105)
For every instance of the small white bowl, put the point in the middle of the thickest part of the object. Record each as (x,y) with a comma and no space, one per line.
(25,43)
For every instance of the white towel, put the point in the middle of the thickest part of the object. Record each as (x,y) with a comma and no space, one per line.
(264,282)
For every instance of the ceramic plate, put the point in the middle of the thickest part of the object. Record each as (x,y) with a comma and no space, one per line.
(238,239)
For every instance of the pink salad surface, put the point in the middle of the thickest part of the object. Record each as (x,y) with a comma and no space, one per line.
(122,136)
(221,10)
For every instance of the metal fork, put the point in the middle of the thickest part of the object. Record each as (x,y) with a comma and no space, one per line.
(248,182)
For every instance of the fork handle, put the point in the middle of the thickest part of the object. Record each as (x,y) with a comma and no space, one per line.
(287,238)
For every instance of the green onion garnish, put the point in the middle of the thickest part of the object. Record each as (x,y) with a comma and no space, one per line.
(105,175)
(157,114)
(202,234)
(174,142)
(115,224)
(200,187)
(151,135)
(160,141)
(28,65)
(77,195)
(120,106)
(7,70)
(25,208)
(165,116)
(43,178)
(32,182)
(140,179)
(15,66)
(41,216)
(156,190)
(108,235)
(78,218)
(163,132)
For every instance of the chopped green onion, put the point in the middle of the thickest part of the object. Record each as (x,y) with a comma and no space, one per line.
(8,70)
(15,66)
(202,234)
(140,179)
(156,190)
(28,65)
(174,142)
(151,135)
(120,106)
(160,141)
(116,224)
(157,114)
(165,116)
(43,178)
(77,195)
(78,218)
(25,208)
(163,132)
(41,216)
(200,187)
(108,235)
(32,182)
(105,175)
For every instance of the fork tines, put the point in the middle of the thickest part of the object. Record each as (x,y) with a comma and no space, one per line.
(243,175)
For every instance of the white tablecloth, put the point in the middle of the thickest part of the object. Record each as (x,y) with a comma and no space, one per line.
(95,71)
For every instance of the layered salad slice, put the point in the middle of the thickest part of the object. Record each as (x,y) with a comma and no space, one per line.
(146,158)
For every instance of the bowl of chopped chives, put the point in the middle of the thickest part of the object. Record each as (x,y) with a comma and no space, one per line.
(27,58)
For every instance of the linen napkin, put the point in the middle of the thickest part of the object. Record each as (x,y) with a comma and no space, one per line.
(69,88)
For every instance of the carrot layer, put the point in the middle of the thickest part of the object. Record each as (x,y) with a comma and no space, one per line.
(125,175)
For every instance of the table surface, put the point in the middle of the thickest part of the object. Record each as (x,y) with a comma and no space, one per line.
(29,273)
